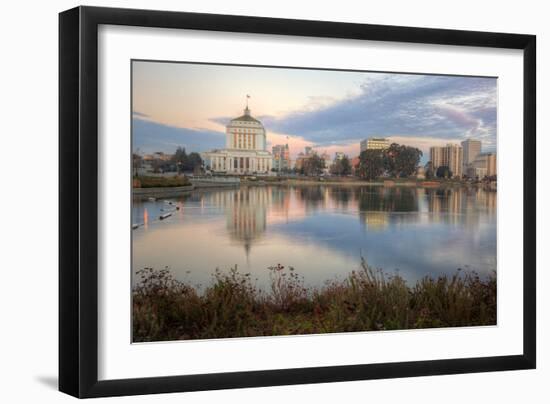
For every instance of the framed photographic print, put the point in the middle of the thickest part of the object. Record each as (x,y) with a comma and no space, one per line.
(250,201)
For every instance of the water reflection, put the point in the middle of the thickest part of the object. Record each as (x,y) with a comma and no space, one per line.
(321,230)
(246,213)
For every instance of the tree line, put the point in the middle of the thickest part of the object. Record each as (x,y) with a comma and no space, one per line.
(180,161)
(186,162)
(397,161)
(315,165)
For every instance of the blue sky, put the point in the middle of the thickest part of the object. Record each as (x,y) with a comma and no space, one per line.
(189,104)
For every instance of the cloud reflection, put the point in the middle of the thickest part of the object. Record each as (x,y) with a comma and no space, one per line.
(324,230)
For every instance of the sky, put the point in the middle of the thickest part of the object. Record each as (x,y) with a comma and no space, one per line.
(188,105)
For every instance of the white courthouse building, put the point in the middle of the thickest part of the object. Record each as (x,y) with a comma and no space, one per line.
(245,148)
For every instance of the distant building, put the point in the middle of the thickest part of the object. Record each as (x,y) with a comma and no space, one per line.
(300,160)
(326,158)
(436,157)
(309,153)
(281,157)
(338,156)
(485,165)
(157,156)
(146,167)
(449,156)
(471,149)
(157,162)
(245,148)
(374,143)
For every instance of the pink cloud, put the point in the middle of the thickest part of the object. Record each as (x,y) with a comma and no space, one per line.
(459,117)
(297,144)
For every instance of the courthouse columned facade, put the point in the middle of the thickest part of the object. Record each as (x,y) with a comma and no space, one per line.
(245,148)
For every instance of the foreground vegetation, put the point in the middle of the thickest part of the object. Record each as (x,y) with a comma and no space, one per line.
(232,306)
(160,182)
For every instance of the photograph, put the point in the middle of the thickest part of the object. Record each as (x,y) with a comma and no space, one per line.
(245,202)
(271,201)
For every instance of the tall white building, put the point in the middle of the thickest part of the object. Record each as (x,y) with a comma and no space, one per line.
(374,143)
(245,148)
(471,149)
(281,157)
(450,156)
(485,164)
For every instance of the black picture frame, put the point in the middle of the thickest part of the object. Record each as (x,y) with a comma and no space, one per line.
(78,201)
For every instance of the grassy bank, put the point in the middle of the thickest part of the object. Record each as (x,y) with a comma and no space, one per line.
(232,306)
(160,182)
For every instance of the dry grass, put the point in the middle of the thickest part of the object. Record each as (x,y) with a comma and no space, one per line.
(232,306)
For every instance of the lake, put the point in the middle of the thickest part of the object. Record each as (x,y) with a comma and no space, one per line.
(320,230)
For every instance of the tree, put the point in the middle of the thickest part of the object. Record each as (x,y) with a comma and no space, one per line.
(371,164)
(443,172)
(313,165)
(157,166)
(180,158)
(428,170)
(186,162)
(401,161)
(341,166)
(346,165)
(136,162)
(193,160)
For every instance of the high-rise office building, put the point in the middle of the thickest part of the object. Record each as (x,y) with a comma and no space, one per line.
(281,157)
(485,164)
(374,143)
(471,149)
(450,156)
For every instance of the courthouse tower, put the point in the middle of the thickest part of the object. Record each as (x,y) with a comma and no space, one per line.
(245,148)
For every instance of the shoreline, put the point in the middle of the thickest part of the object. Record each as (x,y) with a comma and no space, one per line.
(164,192)
(161,192)
(359,183)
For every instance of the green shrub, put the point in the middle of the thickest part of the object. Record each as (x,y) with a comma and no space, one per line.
(163,182)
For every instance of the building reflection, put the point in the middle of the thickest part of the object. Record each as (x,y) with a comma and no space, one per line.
(342,198)
(418,230)
(375,221)
(145,218)
(460,205)
(245,212)
(311,198)
(444,204)
(378,205)
(249,210)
